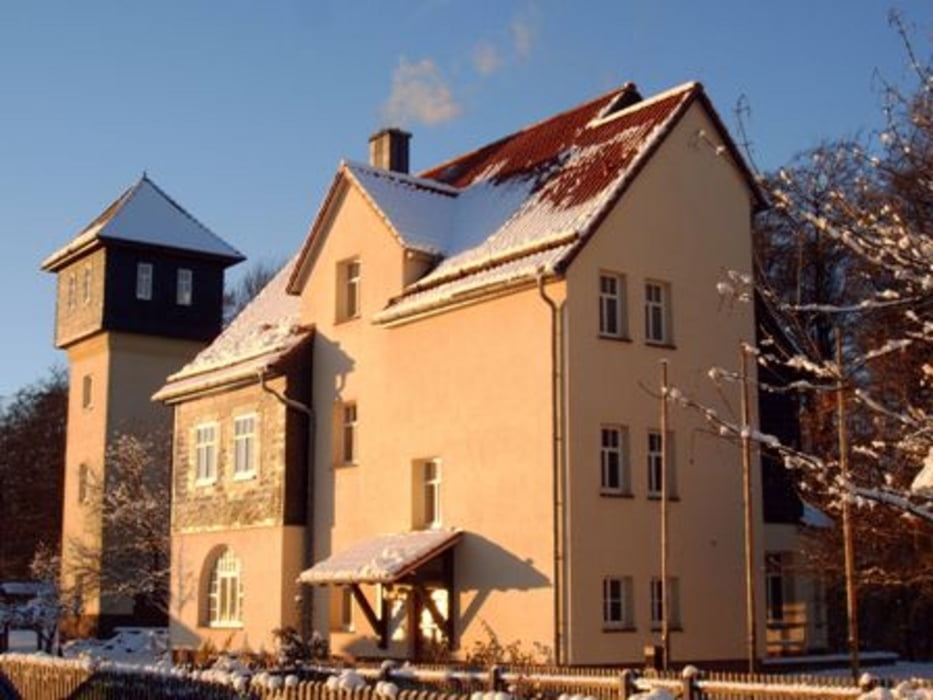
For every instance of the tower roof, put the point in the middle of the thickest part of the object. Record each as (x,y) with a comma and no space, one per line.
(144,214)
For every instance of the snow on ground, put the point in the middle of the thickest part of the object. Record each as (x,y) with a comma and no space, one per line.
(130,645)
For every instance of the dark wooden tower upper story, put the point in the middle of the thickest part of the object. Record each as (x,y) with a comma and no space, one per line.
(144,266)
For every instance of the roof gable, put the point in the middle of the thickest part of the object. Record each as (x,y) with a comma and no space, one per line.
(528,202)
(145,214)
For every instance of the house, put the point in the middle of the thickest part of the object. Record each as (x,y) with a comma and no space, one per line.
(139,294)
(466,363)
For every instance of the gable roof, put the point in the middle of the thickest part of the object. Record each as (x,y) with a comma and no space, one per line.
(262,335)
(523,205)
(145,214)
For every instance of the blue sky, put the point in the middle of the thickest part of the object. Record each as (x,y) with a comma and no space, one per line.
(242,109)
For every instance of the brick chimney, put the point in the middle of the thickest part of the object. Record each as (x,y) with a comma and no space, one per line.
(388,149)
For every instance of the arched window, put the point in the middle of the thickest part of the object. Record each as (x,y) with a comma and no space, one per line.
(225,591)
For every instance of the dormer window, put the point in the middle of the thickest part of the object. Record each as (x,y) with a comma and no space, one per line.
(184,287)
(144,281)
(348,289)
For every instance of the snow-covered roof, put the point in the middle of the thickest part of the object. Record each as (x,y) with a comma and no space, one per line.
(144,213)
(814,517)
(381,559)
(265,332)
(521,205)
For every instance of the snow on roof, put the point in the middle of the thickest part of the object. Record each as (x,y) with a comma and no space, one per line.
(814,517)
(923,482)
(542,188)
(263,333)
(381,559)
(146,214)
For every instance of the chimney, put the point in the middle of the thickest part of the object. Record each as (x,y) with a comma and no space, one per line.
(388,149)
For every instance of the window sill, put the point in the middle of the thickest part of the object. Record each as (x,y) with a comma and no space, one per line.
(340,320)
(225,625)
(606,493)
(245,476)
(672,628)
(346,465)
(613,629)
(657,497)
(205,482)
(615,338)
(663,344)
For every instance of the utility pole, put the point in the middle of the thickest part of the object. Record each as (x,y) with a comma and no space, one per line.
(851,597)
(665,587)
(747,504)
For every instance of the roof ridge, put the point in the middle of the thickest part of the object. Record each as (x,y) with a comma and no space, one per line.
(145,178)
(692,85)
(615,92)
(406,178)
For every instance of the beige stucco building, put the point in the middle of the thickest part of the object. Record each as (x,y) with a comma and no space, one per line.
(139,294)
(466,366)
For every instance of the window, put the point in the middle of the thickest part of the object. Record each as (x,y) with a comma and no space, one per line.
(346,609)
(657,312)
(184,287)
(83,475)
(348,292)
(612,306)
(348,433)
(427,624)
(72,291)
(144,281)
(775,584)
(618,603)
(225,593)
(244,446)
(205,451)
(614,477)
(657,602)
(427,494)
(656,465)
(86,285)
(86,389)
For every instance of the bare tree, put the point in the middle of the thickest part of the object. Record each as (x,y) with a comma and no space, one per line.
(254,279)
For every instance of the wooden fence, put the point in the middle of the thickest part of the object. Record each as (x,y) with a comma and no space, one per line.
(49,678)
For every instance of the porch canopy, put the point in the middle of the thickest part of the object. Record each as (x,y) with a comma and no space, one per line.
(419,559)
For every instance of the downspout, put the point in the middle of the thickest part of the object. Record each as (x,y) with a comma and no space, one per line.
(556,455)
(308,412)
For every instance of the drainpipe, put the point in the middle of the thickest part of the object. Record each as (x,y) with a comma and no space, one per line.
(308,412)
(557,453)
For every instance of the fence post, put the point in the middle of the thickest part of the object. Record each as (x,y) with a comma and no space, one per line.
(691,690)
(495,678)
(627,684)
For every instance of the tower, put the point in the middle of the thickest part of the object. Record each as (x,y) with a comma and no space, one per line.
(139,293)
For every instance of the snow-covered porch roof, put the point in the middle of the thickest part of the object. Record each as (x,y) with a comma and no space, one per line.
(382,559)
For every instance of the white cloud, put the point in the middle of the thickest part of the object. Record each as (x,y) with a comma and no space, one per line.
(523,35)
(486,59)
(419,94)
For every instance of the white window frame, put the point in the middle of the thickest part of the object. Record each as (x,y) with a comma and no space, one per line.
(245,445)
(144,285)
(349,276)
(618,603)
(613,449)
(184,286)
(656,602)
(657,312)
(349,433)
(655,462)
(612,305)
(86,285)
(205,438)
(225,591)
